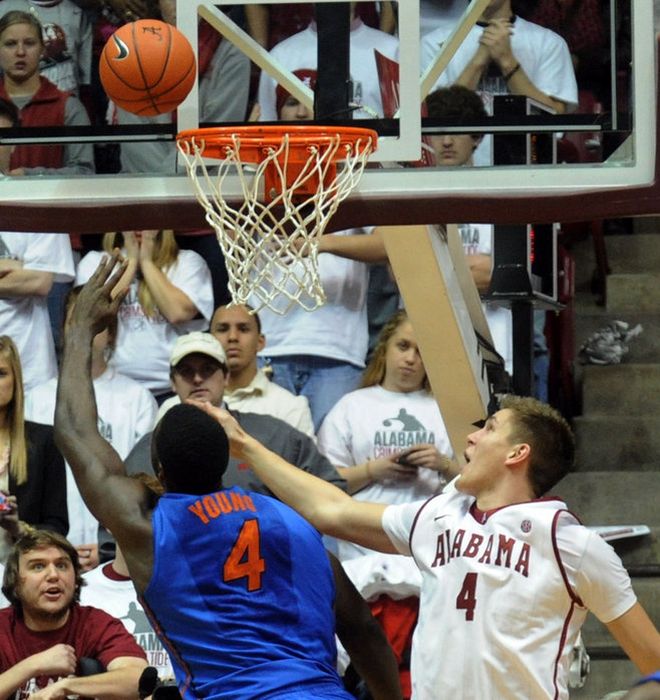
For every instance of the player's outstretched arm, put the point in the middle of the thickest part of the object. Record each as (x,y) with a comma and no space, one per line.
(113,498)
(638,637)
(324,505)
(364,639)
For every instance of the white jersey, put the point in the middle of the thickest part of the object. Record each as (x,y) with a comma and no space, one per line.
(126,412)
(25,318)
(300,51)
(338,329)
(477,239)
(143,342)
(503,596)
(374,422)
(115,594)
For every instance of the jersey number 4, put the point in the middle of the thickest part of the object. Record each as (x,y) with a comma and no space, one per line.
(244,560)
(467,598)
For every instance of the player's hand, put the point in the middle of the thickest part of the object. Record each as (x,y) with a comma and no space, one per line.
(97,303)
(88,555)
(496,38)
(58,660)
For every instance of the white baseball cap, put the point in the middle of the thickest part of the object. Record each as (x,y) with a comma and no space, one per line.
(197,341)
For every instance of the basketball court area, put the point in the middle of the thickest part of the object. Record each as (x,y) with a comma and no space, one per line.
(416,204)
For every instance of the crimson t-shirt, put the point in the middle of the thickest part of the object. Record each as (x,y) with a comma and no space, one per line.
(90,631)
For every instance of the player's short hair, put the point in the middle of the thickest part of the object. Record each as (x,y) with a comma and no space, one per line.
(549,436)
(458,103)
(31,540)
(192,449)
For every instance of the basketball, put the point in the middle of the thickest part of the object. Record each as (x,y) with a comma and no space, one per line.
(147,67)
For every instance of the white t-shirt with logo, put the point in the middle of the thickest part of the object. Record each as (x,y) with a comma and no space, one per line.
(25,318)
(374,422)
(126,412)
(143,342)
(300,51)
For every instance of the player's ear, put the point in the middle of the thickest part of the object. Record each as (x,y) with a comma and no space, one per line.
(476,140)
(261,343)
(518,453)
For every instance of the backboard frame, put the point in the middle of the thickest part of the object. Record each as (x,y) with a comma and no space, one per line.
(493,195)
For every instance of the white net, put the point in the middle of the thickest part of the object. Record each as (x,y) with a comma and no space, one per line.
(270,240)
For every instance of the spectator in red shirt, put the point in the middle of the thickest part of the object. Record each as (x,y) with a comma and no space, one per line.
(46,633)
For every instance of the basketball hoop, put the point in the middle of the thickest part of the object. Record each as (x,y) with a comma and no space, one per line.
(270,240)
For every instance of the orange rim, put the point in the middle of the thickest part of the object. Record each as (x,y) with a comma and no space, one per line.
(256,140)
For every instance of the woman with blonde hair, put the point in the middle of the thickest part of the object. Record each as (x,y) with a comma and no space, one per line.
(32,476)
(169,294)
(388,439)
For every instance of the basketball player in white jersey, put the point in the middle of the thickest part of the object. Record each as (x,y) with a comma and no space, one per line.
(507,575)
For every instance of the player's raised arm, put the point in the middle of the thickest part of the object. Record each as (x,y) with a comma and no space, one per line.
(328,508)
(113,498)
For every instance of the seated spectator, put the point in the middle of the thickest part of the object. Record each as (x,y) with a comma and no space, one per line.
(39,102)
(300,51)
(67,57)
(320,354)
(248,388)
(125,411)
(505,54)
(388,439)
(169,293)
(29,264)
(32,476)
(44,638)
(199,371)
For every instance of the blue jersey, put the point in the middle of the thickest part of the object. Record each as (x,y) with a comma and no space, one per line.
(242,596)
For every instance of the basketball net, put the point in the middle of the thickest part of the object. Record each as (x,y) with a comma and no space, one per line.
(270,241)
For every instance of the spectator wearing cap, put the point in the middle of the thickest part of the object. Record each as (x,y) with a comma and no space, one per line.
(248,388)
(198,370)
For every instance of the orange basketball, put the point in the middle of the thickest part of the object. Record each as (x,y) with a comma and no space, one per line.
(147,67)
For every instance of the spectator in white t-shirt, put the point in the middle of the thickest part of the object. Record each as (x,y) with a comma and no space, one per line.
(29,264)
(169,294)
(300,51)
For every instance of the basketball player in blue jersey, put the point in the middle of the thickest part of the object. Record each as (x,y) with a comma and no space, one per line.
(237,585)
